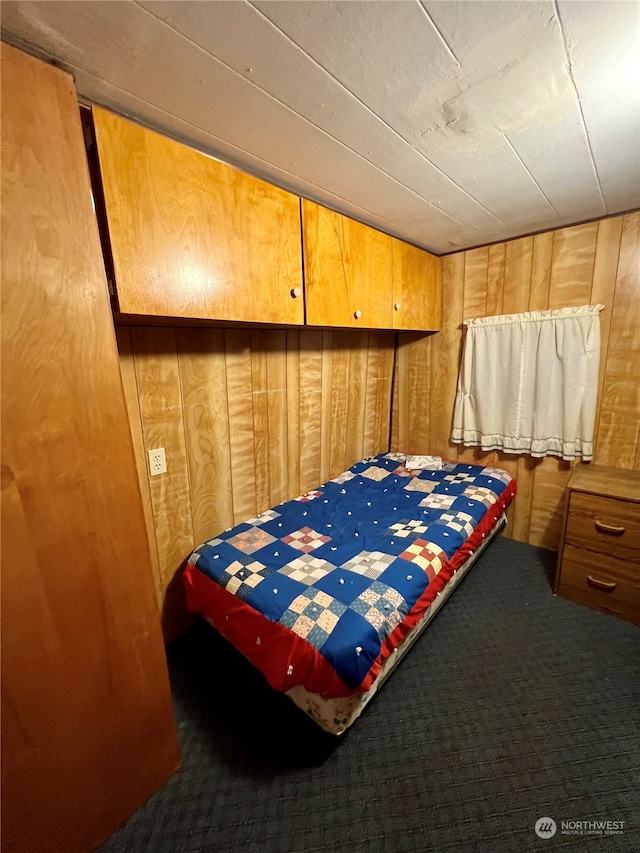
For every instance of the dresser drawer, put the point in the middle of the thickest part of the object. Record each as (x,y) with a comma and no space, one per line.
(601,581)
(608,525)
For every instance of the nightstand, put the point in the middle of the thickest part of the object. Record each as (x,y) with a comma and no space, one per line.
(599,556)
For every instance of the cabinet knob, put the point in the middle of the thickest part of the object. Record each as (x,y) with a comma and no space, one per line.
(396,307)
(357,314)
(295,292)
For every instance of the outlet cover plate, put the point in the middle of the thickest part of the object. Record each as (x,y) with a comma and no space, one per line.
(157,461)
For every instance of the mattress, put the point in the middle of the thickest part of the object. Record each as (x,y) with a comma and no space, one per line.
(319,592)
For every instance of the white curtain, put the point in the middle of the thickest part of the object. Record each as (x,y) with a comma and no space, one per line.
(528,383)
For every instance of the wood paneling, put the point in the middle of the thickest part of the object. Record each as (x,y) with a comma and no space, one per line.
(129,381)
(203,383)
(585,264)
(248,419)
(572,265)
(310,403)
(618,435)
(440,384)
(276,344)
(87,726)
(540,271)
(157,374)
(238,358)
(347,267)
(413,364)
(192,237)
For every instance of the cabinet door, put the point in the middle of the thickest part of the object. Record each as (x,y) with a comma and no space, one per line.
(416,288)
(347,270)
(192,237)
(87,724)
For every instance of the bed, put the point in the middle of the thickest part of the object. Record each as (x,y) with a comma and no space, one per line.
(325,593)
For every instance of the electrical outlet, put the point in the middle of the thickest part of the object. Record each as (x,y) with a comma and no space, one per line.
(157,461)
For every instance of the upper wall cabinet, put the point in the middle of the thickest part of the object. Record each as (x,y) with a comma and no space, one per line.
(357,276)
(347,271)
(192,237)
(416,288)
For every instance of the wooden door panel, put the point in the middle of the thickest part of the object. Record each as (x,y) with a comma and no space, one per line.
(192,237)
(347,270)
(416,288)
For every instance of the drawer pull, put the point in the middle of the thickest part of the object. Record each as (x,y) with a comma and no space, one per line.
(608,528)
(605,585)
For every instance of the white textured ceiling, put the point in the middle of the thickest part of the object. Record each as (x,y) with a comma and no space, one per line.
(449,124)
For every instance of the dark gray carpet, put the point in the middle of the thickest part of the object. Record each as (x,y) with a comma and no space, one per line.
(514,705)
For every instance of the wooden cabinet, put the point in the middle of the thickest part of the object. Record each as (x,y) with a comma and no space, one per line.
(416,280)
(599,558)
(357,276)
(347,269)
(192,237)
(87,725)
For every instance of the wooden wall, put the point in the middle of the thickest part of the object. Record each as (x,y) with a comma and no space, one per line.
(597,262)
(248,418)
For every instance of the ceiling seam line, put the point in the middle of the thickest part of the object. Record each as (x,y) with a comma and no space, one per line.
(438,32)
(527,170)
(328,135)
(569,64)
(376,116)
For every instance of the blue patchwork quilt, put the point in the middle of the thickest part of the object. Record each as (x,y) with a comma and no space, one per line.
(319,590)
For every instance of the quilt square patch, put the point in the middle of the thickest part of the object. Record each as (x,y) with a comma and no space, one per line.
(269,515)
(251,540)
(203,549)
(481,494)
(426,555)
(382,606)
(313,615)
(307,569)
(240,578)
(496,473)
(405,528)
(305,539)
(438,501)
(460,521)
(416,485)
(460,477)
(308,496)
(370,564)
(403,471)
(374,472)
(344,477)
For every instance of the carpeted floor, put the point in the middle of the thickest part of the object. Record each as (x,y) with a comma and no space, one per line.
(514,705)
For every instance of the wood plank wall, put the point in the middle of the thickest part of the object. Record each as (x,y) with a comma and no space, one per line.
(248,418)
(598,262)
